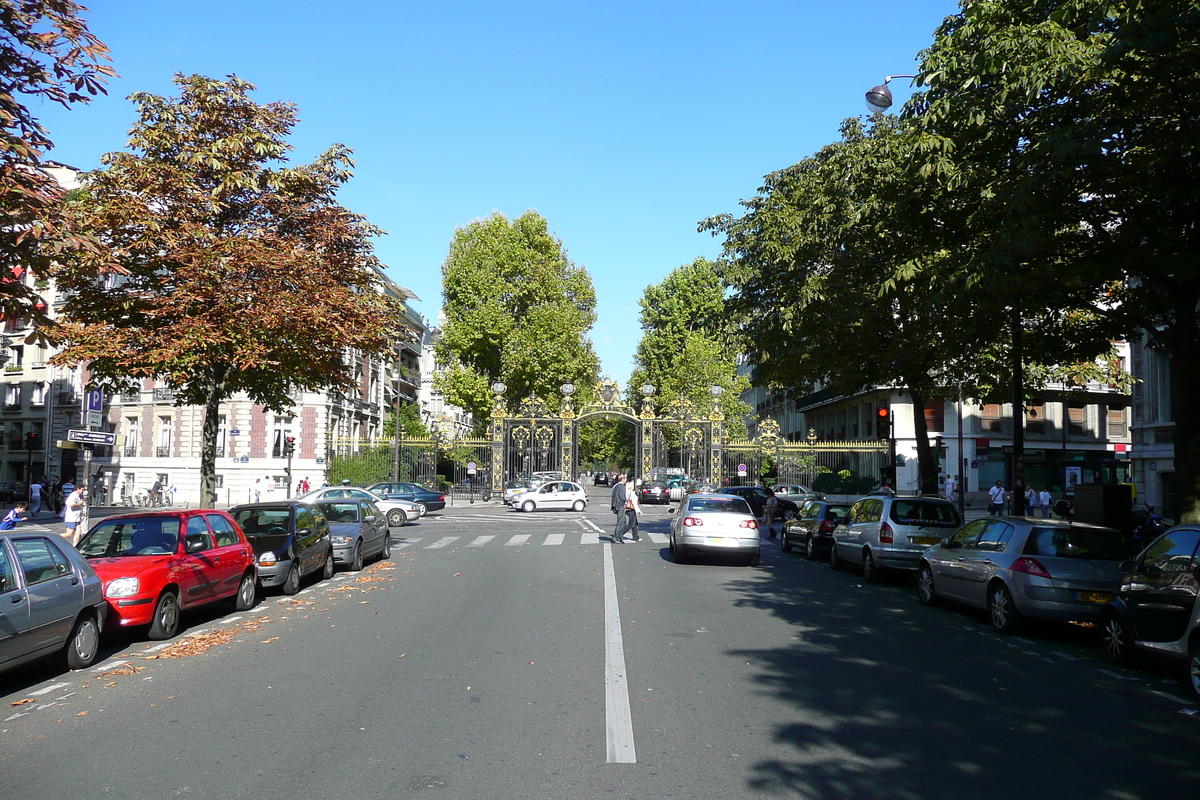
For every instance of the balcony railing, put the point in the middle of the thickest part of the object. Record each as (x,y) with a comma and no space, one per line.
(12,406)
(163,393)
(220,452)
(130,397)
(66,398)
(130,450)
(162,452)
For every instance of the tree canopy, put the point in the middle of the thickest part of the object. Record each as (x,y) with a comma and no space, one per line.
(48,55)
(228,271)
(518,311)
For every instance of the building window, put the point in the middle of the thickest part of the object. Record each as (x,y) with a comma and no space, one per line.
(935,415)
(12,396)
(989,418)
(132,436)
(1118,425)
(221,437)
(283,429)
(1076,420)
(165,431)
(38,396)
(1035,418)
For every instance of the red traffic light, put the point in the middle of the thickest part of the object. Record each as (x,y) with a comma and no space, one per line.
(883,412)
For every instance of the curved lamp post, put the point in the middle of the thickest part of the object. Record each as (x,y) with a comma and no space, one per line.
(879,99)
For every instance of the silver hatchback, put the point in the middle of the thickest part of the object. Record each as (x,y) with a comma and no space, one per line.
(884,532)
(1018,567)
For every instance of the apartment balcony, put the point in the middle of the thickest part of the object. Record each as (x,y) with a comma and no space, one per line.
(130,451)
(131,397)
(164,394)
(162,452)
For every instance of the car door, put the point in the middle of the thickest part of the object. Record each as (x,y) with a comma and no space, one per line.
(375,529)
(310,544)
(977,560)
(54,591)
(1162,595)
(230,551)
(14,610)
(946,561)
(200,569)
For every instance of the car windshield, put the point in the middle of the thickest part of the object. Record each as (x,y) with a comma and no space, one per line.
(142,536)
(1101,544)
(721,505)
(263,521)
(925,514)
(340,512)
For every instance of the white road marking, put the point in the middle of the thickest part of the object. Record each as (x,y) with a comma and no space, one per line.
(517,540)
(1170,696)
(157,647)
(555,538)
(228,620)
(589,538)
(113,665)
(618,720)
(592,525)
(50,688)
(445,541)
(480,541)
(14,716)
(659,538)
(407,542)
(1063,655)
(1112,674)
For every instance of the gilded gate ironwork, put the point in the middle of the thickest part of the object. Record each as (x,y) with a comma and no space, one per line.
(834,467)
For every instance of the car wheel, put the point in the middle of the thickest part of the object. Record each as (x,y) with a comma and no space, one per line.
(579,505)
(327,573)
(84,643)
(528,506)
(1194,666)
(244,599)
(396,518)
(1002,611)
(810,549)
(291,584)
(834,562)
(756,560)
(166,617)
(680,556)
(386,553)
(785,544)
(357,562)
(421,509)
(869,570)
(1118,641)
(925,591)
(671,545)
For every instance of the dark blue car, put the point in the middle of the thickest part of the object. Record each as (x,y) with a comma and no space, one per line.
(426,499)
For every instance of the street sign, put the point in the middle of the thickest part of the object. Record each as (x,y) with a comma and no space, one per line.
(470,467)
(91,437)
(95,400)
(235,432)
(741,470)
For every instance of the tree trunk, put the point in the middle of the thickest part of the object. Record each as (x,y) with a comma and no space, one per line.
(927,464)
(208,443)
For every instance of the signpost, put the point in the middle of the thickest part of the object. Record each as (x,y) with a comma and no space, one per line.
(91,437)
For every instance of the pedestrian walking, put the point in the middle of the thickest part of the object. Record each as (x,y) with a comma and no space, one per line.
(951,489)
(258,490)
(156,492)
(1031,502)
(1045,501)
(35,498)
(769,508)
(16,515)
(73,511)
(632,509)
(619,492)
(996,496)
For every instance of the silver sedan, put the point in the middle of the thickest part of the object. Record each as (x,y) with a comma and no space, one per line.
(1016,567)
(714,524)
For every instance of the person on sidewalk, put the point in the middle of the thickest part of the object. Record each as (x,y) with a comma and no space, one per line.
(996,496)
(1045,501)
(769,508)
(16,515)
(73,512)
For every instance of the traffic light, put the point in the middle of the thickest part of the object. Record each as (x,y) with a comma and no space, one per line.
(883,423)
(31,440)
(289,446)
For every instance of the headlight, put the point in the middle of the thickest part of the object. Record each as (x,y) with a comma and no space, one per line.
(267,559)
(122,587)
(341,539)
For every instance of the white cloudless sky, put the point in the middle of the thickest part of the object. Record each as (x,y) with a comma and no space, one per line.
(624,124)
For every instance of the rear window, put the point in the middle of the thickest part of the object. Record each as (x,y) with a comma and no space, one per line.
(263,521)
(722,505)
(1101,544)
(925,513)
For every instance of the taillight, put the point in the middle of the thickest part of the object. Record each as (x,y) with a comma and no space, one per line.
(1029,566)
(749,523)
(826,526)
(692,522)
(442,499)
(886,536)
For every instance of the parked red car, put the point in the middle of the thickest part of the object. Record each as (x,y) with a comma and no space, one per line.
(156,563)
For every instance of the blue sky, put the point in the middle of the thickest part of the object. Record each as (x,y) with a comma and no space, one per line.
(623,123)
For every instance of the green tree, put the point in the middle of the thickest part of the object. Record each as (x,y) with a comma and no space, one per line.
(684,350)
(411,424)
(47,54)
(517,310)
(1065,125)
(230,271)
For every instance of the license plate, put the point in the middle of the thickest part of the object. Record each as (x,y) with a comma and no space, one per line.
(924,539)
(720,540)
(1095,597)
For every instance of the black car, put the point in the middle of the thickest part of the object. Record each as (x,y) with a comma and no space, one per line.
(757,496)
(655,492)
(1156,606)
(290,539)
(426,499)
(811,530)
(600,479)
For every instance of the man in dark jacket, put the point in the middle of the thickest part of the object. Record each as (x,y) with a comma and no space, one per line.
(618,508)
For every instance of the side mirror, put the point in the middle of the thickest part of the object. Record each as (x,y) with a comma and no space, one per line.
(1131,566)
(950,544)
(369,518)
(195,543)
(304,532)
(671,510)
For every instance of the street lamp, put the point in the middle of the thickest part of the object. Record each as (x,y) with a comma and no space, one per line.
(499,388)
(879,99)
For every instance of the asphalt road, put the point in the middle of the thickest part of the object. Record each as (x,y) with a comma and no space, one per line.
(469,667)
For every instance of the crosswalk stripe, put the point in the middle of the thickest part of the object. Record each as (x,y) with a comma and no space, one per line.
(480,541)
(590,538)
(445,541)
(555,538)
(406,542)
(519,539)
(659,538)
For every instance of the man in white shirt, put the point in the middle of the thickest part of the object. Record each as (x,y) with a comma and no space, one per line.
(1044,501)
(996,496)
(73,513)
(951,489)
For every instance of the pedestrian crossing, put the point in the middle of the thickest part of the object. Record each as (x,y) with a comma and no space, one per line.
(514,540)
